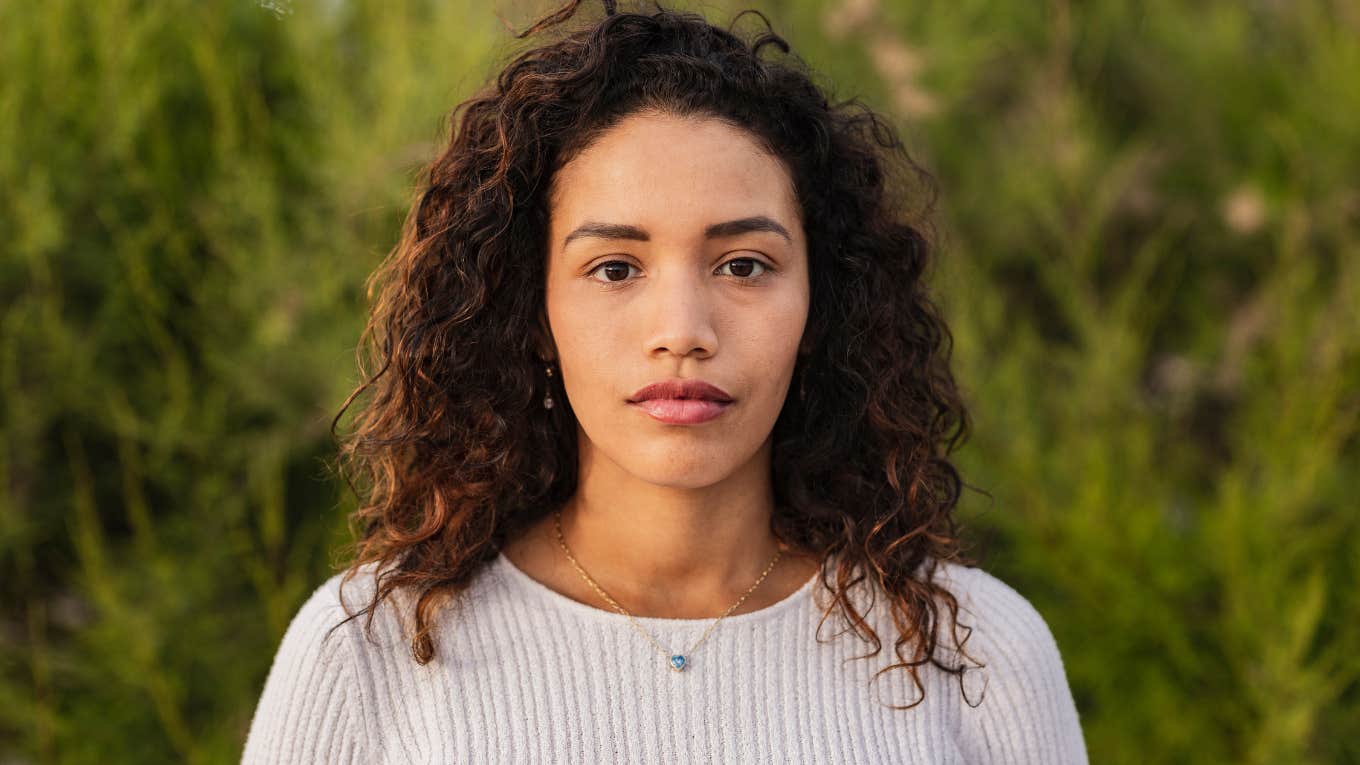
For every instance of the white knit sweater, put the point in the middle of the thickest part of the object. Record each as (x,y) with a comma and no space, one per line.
(524,674)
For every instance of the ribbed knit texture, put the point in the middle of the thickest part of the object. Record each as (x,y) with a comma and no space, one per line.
(524,674)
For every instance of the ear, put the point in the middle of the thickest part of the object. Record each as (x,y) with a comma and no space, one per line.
(545,347)
(814,330)
(809,340)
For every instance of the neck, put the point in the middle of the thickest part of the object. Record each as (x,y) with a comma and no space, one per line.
(666,548)
(669,551)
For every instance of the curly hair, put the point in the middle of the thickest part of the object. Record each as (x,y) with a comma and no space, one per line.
(452,454)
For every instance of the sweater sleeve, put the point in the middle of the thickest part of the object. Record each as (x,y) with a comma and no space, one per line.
(1019,709)
(310,708)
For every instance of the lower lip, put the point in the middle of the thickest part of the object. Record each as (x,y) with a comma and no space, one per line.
(675,411)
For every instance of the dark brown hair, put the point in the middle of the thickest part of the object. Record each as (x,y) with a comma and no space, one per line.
(452,453)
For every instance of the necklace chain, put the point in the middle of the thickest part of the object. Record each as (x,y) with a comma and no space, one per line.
(677,662)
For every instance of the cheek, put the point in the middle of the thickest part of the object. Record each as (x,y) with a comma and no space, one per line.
(775,331)
(579,328)
(590,348)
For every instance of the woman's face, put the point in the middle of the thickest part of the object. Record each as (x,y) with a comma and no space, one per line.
(676,250)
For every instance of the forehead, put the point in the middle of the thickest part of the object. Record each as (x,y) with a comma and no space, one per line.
(662,169)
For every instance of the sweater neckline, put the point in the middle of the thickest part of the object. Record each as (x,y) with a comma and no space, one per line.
(524,583)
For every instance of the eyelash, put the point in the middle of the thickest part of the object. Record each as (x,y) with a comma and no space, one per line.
(741,279)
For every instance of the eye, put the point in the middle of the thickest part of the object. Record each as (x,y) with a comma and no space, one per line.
(617,267)
(745,269)
(620,269)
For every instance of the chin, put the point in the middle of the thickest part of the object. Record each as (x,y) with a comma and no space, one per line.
(686,467)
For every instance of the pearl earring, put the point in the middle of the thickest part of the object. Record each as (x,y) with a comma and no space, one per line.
(547,399)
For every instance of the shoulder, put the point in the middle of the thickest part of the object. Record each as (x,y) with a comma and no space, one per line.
(320,617)
(1018,704)
(311,707)
(1001,616)
(322,627)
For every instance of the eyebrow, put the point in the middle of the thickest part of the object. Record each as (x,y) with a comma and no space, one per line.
(715,231)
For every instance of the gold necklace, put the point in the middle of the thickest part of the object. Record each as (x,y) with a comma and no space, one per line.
(677,661)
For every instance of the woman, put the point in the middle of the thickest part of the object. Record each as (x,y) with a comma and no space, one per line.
(660,399)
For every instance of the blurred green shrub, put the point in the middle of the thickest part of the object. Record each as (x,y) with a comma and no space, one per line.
(1150,226)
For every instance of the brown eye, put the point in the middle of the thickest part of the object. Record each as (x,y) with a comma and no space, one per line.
(613,268)
(742,267)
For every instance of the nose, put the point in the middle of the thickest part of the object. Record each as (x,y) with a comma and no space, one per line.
(680,318)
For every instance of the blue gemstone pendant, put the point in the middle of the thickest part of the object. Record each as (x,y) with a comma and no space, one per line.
(677,662)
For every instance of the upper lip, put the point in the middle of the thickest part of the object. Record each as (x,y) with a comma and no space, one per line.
(681,388)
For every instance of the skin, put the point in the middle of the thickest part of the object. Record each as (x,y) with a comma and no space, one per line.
(672,520)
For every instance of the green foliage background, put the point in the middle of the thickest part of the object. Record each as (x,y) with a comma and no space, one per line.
(1151,230)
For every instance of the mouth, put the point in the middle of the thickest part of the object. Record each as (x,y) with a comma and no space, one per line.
(682,411)
(681,389)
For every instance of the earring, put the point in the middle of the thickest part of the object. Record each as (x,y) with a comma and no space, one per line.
(547,399)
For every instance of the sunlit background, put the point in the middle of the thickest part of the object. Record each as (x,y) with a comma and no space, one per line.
(1150,228)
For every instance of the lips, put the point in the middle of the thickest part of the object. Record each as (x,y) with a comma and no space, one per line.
(680,401)
(675,411)
(681,389)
